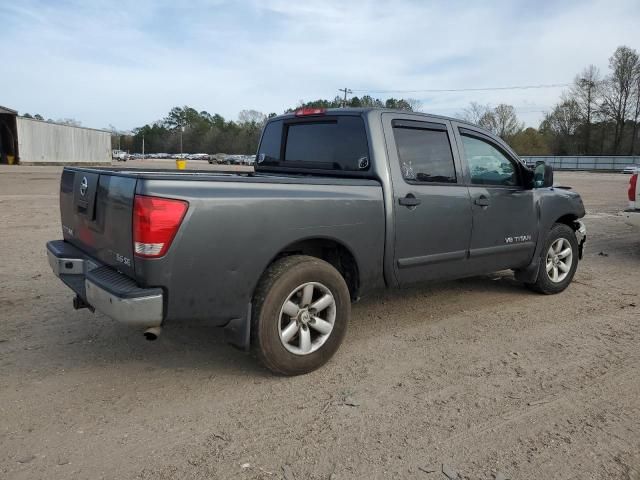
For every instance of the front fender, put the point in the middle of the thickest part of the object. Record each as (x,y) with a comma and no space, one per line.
(554,205)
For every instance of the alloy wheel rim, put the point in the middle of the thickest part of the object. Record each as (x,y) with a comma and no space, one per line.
(307,318)
(559,260)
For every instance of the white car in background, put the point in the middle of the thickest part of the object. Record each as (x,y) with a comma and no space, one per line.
(119,155)
(632,214)
(631,169)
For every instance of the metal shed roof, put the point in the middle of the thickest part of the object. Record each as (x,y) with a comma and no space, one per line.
(8,110)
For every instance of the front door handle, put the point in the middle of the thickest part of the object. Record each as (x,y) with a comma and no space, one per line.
(410,200)
(481,201)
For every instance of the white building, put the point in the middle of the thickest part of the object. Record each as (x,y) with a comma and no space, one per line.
(35,142)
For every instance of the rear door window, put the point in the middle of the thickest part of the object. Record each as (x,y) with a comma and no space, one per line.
(425,154)
(338,143)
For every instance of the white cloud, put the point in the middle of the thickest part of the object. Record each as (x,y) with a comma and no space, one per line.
(128,64)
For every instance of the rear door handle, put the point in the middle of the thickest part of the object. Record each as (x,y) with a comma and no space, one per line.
(481,201)
(410,200)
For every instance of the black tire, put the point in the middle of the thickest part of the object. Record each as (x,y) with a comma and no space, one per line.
(544,284)
(277,283)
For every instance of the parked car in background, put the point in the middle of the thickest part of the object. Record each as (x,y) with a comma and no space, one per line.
(632,213)
(631,169)
(198,156)
(217,158)
(246,160)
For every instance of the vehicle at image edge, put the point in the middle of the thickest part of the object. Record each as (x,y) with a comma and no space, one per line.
(631,169)
(632,213)
(342,203)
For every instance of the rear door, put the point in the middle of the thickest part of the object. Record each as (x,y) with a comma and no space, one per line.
(96,210)
(504,215)
(432,210)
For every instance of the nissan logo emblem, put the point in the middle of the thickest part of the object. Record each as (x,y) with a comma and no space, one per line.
(84,184)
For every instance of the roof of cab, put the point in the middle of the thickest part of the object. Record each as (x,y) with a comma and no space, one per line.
(368,110)
(361,110)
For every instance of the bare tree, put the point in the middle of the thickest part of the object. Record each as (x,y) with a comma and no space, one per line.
(415,104)
(619,89)
(474,113)
(69,121)
(586,91)
(502,121)
(251,116)
(565,118)
(562,123)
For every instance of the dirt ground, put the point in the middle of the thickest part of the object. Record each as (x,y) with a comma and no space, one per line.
(477,378)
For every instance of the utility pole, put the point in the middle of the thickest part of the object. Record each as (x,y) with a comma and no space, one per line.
(346,91)
(143,146)
(181,130)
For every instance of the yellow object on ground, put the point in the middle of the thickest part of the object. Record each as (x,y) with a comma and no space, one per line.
(11,159)
(181,163)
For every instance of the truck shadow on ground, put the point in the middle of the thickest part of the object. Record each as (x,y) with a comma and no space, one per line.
(99,341)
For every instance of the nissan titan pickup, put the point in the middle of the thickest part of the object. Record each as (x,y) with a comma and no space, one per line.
(342,203)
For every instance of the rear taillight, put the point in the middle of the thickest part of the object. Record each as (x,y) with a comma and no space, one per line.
(303,112)
(633,184)
(155,222)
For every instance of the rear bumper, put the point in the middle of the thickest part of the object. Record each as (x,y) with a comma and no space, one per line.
(105,289)
(632,217)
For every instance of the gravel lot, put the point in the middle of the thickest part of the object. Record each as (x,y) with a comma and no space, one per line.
(478,378)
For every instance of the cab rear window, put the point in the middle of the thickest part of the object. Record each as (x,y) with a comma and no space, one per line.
(325,143)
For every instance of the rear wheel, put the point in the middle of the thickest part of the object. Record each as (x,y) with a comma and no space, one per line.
(300,314)
(558,262)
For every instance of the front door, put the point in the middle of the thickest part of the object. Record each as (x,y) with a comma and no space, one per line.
(432,210)
(504,215)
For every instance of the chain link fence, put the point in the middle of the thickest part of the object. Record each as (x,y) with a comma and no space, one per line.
(610,163)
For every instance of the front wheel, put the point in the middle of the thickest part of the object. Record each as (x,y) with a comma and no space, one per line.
(558,262)
(300,314)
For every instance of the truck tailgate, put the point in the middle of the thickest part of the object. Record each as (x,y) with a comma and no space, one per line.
(96,209)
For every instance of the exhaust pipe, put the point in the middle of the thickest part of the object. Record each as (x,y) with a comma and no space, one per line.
(152,333)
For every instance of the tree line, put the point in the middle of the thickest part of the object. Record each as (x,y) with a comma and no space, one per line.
(598,114)
(202,132)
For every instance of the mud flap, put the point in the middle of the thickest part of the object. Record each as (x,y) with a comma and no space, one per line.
(581,236)
(238,331)
(529,274)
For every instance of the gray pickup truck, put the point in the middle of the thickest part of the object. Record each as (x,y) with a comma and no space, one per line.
(341,203)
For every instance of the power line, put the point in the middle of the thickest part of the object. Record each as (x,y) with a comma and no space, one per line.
(346,91)
(479,89)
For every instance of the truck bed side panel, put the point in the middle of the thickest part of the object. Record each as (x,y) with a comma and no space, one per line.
(231,233)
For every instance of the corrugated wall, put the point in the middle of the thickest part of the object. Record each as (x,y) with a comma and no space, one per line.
(48,143)
(585,162)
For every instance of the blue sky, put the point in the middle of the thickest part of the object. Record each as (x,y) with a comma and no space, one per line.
(128,63)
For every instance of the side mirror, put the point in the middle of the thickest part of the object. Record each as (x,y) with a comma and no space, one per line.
(543,176)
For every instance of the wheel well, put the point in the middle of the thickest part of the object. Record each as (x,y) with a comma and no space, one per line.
(568,220)
(331,252)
